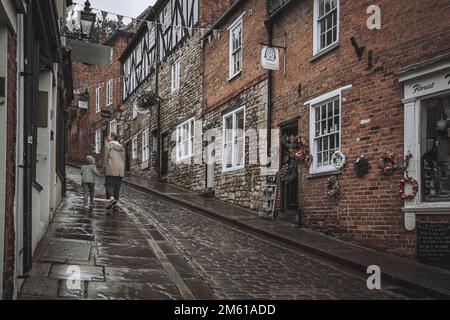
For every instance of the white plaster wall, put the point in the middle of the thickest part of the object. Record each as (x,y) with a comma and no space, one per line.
(18,218)
(3,111)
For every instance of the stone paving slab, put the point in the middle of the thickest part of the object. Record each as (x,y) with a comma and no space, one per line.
(63,250)
(132,291)
(106,253)
(419,276)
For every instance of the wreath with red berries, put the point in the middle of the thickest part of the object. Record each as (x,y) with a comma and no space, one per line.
(415,188)
(388,164)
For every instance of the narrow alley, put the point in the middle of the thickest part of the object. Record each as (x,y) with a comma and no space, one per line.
(152,249)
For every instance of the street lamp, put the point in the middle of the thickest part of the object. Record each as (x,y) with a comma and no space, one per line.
(118,113)
(87,20)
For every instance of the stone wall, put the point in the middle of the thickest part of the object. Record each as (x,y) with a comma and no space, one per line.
(177,107)
(243,187)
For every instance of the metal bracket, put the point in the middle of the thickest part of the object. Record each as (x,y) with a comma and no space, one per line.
(271,45)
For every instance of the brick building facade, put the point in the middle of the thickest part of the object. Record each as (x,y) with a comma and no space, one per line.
(103,84)
(345,84)
(368,101)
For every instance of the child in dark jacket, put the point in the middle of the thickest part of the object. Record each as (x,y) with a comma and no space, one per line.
(88,173)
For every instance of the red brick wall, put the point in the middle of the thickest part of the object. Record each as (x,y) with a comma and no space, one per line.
(217,88)
(83,143)
(211,10)
(9,245)
(369,212)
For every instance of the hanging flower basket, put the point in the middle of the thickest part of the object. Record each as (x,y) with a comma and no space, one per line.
(361,166)
(388,164)
(146,100)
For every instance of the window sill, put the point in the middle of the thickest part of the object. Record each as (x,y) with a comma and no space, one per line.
(320,54)
(185,159)
(231,170)
(427,209)
(234,76)
(145,165)
(323,174)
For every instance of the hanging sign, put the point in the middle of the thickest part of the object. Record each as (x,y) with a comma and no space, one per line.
(270,58)
(106,113)
(83,104)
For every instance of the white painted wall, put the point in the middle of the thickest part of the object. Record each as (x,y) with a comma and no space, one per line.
(18,218)
(42,199)
(3,111)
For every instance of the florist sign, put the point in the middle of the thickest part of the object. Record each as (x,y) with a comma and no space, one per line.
(428,85)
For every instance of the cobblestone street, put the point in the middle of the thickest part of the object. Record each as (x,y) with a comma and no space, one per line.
(152,249)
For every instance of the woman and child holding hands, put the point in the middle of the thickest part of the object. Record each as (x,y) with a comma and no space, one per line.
(113,168)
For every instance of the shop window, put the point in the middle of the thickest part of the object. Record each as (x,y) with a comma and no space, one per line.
(435,149)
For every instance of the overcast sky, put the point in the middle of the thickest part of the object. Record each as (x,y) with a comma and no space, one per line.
(130,8)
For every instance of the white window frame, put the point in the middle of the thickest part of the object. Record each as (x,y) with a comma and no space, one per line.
(176,75)
(313,104)
(234,166)
(189,139)
(97,100)
(135,113)
(145,146)
(112,124)
(134,148)
(316,29)
(109,93)
(98,141)
(237,24)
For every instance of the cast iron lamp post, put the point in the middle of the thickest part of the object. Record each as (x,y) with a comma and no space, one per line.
(87,21)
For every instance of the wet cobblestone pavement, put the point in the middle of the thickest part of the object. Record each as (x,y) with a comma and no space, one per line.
(153,249)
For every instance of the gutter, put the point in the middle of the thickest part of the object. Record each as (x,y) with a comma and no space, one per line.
(269,27)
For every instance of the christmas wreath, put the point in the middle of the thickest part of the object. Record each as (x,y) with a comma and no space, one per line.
(388,164)
(338,160)
(414,185)
(333,187)
(297,150)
